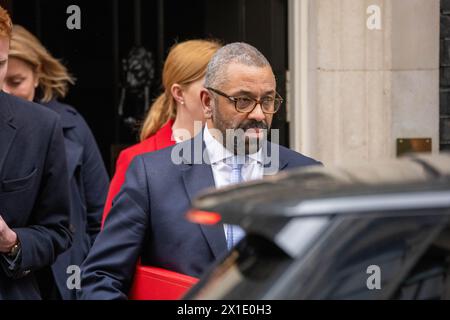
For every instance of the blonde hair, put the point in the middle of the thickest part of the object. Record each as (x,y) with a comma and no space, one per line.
(5,23)
(53,77)
(185,63)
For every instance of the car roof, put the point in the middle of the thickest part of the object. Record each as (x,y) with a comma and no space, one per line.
(414,182)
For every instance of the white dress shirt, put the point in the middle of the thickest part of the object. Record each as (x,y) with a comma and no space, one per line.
(220,158)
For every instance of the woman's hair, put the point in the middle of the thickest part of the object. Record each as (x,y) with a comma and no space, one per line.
(186,63)
(53,77)
(5,23)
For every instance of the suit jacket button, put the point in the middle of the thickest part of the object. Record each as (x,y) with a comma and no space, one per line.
(72,228)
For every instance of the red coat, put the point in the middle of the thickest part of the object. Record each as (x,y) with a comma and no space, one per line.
(161,139)
(171,285)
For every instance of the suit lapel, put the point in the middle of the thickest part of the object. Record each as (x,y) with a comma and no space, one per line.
(274,161)
(197,178)
(7,129)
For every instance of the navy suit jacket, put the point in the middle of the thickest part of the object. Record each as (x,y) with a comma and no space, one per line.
(34,193)
(147,221)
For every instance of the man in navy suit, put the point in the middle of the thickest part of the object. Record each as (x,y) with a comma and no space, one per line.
(34,188)
(147,220)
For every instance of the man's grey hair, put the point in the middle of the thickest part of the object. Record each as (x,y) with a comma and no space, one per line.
(237,52)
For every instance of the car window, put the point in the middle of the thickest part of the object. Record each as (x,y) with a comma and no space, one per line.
(341,260)
(364,257)
(429,279)
(258,261)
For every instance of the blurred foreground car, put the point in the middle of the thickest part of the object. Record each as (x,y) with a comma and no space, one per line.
(378,231)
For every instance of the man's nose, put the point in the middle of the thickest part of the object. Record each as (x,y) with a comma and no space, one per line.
(257,113)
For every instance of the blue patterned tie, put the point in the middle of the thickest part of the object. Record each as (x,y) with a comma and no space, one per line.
(234,232)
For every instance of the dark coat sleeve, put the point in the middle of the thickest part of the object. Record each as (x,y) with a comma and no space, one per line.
(47,234)
(108,270)
(95,181)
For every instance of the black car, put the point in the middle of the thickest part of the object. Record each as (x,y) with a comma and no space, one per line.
(378,231)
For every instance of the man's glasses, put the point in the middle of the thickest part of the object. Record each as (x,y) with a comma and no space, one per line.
(245,104)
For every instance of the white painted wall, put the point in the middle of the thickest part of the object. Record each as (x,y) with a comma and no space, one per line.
(354,91)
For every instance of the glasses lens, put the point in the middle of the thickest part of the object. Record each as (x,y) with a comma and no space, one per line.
(244,104)
(268,105)
(277,104)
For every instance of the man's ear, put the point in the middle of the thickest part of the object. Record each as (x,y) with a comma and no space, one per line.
(207,103)
(177,93)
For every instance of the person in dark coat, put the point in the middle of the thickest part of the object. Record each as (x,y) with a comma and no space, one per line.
(34,74)
(34,188)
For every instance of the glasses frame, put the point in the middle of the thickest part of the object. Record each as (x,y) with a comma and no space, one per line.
(235,100)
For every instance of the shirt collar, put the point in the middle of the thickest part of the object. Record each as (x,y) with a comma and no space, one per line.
(217,152)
